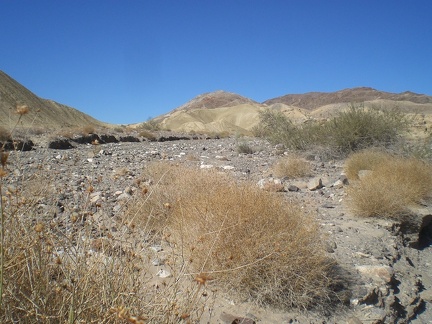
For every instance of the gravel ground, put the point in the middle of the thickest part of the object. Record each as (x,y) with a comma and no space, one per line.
(389,281)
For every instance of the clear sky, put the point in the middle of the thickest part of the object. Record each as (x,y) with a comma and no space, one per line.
(124,61)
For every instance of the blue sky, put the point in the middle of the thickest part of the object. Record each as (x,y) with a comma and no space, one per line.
(125,61)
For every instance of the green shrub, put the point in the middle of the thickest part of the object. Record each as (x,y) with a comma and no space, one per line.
(351,130)
(359,127)
(150,125)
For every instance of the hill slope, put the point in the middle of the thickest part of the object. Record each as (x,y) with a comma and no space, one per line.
(43,113)
(227,112)
(313,100)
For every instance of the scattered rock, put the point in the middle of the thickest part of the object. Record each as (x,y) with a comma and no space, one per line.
(315,184)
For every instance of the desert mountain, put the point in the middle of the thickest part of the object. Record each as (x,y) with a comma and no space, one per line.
(43,113)
(313,100)
(228,112)
(217,111)
(216,99)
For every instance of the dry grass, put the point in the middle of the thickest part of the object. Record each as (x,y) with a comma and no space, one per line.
(245,148)
(147,134)
(68,269)
(292,167)
(87,130)
(267,252)
(393,184)
(4,134)
(365,160)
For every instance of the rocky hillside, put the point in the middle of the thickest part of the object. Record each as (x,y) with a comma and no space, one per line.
(314,100)
(44,113)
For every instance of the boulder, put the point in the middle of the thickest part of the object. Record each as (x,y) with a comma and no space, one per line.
(60,144)
(416,226)
(315,184)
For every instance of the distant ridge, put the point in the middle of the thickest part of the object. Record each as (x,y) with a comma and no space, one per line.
(215,99)
(43,113)
(222,111)
(313,100)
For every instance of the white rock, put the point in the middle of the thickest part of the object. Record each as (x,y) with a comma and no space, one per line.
(156,248)
(378,273)
(163,274)
(228,167)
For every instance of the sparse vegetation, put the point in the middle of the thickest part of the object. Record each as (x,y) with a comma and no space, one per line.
(119,129)
(150,125)
(351,130)
(146,134)
(264,251)
(393,184)
(88,129)
(365,160)
(292,167)
(67,271)
(245,148)
(4,134)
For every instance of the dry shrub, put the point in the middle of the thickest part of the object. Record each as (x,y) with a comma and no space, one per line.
(245,148)
(253,243)
(88,129)
(4,134)
(66,270)
(393,184)
(145,133)
(365,160)
(292,167)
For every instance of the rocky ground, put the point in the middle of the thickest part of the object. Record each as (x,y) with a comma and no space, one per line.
(387,271)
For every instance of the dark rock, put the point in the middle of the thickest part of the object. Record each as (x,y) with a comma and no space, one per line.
(109,138)
(293,188)
(88,139)
(416,226)
(60,144)
(17,145)
(172,138)
(129,138)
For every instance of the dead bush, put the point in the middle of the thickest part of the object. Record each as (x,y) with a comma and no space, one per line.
(268,252)
(87,130)
(392,185)
(365,160)
(245,148)
(146,134)
(66,270)
(4,134)
(292,167)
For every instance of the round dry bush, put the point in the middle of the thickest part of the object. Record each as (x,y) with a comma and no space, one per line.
(365,160)
(253,243)
(391,187)
(292,167)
